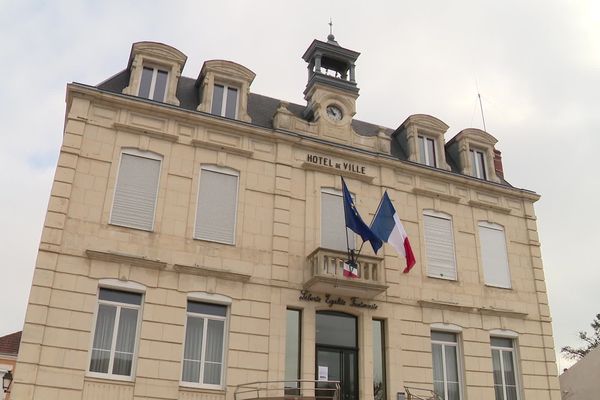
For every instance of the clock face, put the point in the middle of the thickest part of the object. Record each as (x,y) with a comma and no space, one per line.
(334,113)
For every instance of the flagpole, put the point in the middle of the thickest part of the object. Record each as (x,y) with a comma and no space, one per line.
(350,255)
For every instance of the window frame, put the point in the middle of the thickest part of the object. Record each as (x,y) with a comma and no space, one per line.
(352,237)
(151,91)
(459,355)
(225,171)
(448,217)
(422,141)
(294,390)
(499,228)
(478,171)
(126,287)
(216,299)
(383,326)
(513,337)
(143,154)
(226,87)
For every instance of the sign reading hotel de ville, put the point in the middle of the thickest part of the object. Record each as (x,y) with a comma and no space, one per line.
(337,164)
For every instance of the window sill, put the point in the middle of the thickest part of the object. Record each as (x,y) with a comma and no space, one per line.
(213,241)
(103,378)
(131,227)
(443,278)
(497,287)
(198,388)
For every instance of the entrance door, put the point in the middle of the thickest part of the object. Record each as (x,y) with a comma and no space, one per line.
(337,353)
(341,365)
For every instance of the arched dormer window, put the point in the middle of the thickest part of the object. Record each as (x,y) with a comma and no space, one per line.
(155,69)
(473,149)
(422,139)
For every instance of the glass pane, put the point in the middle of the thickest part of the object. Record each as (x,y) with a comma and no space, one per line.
(214,341)
(511,393)
(443,336)
(292,348)
(422,156)
(438,367)
(509,372)
(451,364)
(207,308)
(438,388)
(379,386)
(146,82)
(499,392)
(453,391)
(192,352)
(497,367)
(160,86)
(120,297)
(480,165)
(231,105)
(501,342)
(431,152)
(125,345)
(105,322)
(212,373)
(336,329)
(217,102)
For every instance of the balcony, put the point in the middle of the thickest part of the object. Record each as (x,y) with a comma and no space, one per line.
(326,275)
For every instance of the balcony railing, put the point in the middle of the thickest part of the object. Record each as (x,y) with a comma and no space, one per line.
(288,390)
(326,274)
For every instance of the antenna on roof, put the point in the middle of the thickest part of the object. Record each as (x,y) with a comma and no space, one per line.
(480,106)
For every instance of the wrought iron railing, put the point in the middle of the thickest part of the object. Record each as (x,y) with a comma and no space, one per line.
(413,393)
(288,390)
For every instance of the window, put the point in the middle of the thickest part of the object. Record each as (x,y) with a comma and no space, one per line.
(446,373)
(505,377)
(225,101)
(153,84)
(204,344)
(494,255)
(293,340)
(334,234)
(217,205)
(427,151)
(478,164)
(136,190)
(379,384)
(439,245)
(115,333)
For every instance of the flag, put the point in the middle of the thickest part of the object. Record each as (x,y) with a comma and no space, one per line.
(355,223)
(350,269)
(388,227)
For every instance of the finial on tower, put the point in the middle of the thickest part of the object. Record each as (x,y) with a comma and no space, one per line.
(330,37)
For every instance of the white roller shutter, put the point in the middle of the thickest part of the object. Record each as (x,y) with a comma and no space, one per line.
(135,193)
(494,255)
(439,244)
(333,222)
(217,206)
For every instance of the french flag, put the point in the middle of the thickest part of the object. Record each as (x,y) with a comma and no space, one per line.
(387,226)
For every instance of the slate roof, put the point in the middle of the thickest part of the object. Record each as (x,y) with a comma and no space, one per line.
(9,344)
(262,109)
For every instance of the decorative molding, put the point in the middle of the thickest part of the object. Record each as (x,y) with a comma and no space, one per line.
(146,131)
(446,305)
(502,312)
(488,206)
(120,258)
(335,171)
(221,147)
(203,271)
(433,193)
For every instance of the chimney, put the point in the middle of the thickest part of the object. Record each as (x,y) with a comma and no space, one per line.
(498,163)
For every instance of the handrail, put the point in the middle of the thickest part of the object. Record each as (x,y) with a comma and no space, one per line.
(414,396)
(329,390)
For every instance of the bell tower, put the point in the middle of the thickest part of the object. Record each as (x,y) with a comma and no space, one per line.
(331,91)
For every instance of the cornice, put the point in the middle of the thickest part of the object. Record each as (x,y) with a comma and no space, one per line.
(309,142)
(120,258)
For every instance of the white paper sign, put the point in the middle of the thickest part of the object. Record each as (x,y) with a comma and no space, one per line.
(323,373)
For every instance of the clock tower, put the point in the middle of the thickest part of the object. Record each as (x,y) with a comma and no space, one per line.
(331,91)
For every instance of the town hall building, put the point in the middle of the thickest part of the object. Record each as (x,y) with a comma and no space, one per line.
(194,248)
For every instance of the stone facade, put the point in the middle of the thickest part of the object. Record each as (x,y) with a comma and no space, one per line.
(282,170)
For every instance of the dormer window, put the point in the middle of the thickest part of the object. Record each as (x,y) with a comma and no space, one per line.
(427,151)
(478,164)
(225,101)
(153,84)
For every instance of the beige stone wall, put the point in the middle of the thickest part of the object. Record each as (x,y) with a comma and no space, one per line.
(277,227)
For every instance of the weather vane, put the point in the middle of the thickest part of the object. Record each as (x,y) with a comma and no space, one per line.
(330,26)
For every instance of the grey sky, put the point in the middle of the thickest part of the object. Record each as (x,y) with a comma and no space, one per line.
(536,63)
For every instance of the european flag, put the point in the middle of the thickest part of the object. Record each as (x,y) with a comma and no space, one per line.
(355,223)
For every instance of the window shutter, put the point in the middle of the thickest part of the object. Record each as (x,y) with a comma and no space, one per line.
(439,242)
(135,193)
(333,223)
(493,255)
(216,207)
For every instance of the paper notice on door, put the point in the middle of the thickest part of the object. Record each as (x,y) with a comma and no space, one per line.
(323,373)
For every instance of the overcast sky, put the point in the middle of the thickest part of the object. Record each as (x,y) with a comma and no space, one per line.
(535,63)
